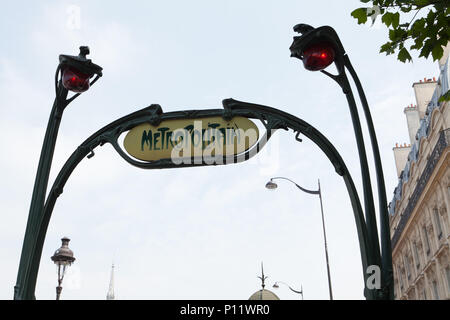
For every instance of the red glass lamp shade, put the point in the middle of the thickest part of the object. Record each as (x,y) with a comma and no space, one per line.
(75,80)
(318,56)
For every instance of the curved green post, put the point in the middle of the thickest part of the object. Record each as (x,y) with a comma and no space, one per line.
(28,268)
(385,235)
(326,34)
(21,289)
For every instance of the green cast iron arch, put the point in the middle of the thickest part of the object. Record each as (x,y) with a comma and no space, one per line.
(272,119)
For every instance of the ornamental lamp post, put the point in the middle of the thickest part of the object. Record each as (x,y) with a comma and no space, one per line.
(74,73)
(63,258)
(318,48)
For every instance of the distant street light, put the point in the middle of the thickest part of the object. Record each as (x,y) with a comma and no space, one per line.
(63,258)
(276,286)
(272,186)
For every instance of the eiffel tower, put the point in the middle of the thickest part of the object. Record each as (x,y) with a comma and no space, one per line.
(110,294)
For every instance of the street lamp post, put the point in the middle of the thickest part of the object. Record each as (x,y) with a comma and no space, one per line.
(272,185)
(63,258)
(276,286)
(72,74)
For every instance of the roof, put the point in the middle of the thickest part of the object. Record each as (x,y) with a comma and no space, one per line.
(264,294)
(423,131)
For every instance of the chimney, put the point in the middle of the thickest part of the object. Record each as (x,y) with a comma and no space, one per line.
(401,156)
(413,121)
(424,91)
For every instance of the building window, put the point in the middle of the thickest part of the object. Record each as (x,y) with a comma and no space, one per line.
(447,275)
(400,280)
(408,270)
(435,290)
(438,223)
(416,255)
(427,242)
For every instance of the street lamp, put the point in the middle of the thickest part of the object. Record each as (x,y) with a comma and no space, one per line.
(318,48)
(77,71)
(276,286)
(74,73)
(63,258)
(272,186)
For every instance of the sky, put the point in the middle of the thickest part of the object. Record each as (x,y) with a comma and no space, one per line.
(192,233)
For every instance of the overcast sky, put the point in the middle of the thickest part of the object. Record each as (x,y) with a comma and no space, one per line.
(198,233)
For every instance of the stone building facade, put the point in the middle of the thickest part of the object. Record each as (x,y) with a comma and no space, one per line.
(420,208)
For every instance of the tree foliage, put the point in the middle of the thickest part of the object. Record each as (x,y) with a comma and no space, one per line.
(428,34)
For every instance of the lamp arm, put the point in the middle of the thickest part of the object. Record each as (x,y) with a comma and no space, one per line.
(299,292)
(301,188)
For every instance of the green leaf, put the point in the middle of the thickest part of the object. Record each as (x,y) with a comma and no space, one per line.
(392,34)
(445,97)
(360,14)
(418,43)
(437,52)
(387,47)
(395,19)
(404,55)
(430,17)
(421,3)
(418,27)
(406,9)
(427,48)
(442,21)
(387,18)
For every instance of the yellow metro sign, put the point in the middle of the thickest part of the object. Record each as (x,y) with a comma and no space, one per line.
(191,138)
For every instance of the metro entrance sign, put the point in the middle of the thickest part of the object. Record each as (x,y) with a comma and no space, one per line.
(183,139)
(158,140)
